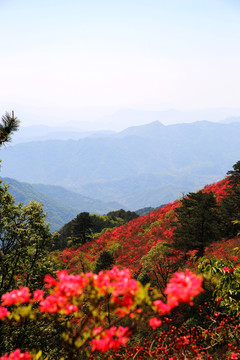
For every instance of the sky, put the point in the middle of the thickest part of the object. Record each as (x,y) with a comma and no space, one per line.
(81,59)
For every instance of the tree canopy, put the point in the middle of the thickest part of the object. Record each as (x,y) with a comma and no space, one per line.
(198,222)
(85,226)
(24,239)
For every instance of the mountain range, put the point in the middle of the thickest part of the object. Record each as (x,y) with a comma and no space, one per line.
(140,166)
(91,119)
(60,204)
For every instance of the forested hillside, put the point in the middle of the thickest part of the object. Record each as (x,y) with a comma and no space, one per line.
(199,232)
(131,242)
(87,226)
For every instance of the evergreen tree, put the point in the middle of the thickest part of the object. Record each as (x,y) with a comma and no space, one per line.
(126,216)
(234,175)
(230,206)
(8,125)
(198,222)
(85,226)
(105,261)
(81,228)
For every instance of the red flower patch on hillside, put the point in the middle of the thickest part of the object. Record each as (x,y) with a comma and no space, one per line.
(219,188)
(130,242)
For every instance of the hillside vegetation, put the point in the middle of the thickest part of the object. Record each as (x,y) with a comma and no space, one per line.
(86,226)
(174,294)
(131,242)
(198,232)
(104,313)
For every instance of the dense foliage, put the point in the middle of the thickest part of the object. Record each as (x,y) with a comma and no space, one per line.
(24,240)
(198,222)
(86,226)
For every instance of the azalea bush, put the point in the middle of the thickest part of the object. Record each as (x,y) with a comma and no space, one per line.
(91,314)
(224,279)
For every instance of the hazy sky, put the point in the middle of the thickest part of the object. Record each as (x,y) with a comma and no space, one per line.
(63,57)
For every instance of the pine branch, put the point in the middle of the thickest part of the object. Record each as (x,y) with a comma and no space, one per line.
(8,125)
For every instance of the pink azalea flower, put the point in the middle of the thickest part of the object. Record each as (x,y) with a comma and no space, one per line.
(52,304)
(17,355)
(161,307)
(155,322)
(183,287)
(20,296)
(3,312)
(112,338)
(49,281)
(70,308)
(38,295)
(234,356)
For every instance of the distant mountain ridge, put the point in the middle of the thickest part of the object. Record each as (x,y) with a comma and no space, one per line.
(44,133)
(60,204)
(231,119)
(124,118)
(152,129)
(141,166)
(88,125)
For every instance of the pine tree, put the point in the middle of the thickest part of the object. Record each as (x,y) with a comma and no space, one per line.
(198,222)
(105,261)
(81,228)
(230,206)
(236,170)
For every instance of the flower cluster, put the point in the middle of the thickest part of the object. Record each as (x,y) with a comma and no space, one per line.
(67,293)
(64,290)
(3,312)
(122,287)
(67,288)
(112,338)
(17,355)
(19,296)
(182,288)
(155,322)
